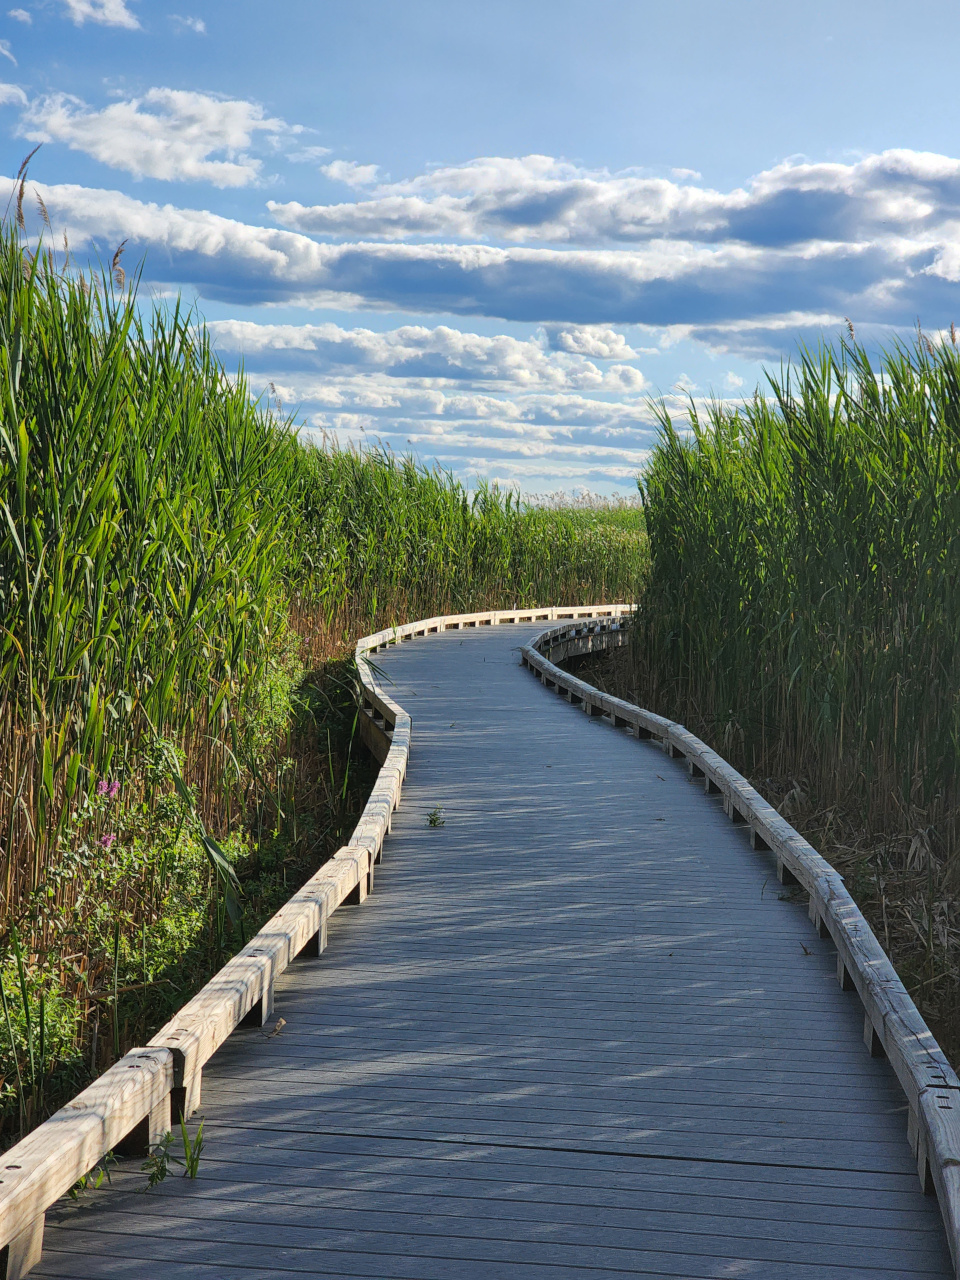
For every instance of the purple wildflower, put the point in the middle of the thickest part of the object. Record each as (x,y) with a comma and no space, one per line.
(103,786)
(114,790)
(108,839)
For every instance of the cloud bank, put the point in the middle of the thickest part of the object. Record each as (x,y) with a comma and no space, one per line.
(540,199)
(801,246)
(524,412)
(167,133)
(597,262)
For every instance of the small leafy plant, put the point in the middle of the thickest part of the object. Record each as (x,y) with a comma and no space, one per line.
(435,817)
(157,1164)
(93,1180)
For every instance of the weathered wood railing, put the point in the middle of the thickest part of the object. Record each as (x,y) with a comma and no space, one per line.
(892,1024)
(129,1108)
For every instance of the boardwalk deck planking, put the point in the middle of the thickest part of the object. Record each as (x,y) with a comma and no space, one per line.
(580,1030)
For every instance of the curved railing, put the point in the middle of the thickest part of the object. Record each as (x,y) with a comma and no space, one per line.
(893,1026)
(129,1108)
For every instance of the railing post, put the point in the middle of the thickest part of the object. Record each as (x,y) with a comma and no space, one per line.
(23,1251)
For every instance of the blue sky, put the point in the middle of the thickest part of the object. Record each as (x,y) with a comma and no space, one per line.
(489,233)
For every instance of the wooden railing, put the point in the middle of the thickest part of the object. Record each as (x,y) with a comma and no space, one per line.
(129,1108)
(893,1026)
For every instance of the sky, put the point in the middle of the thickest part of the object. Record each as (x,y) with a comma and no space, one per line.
(496,235)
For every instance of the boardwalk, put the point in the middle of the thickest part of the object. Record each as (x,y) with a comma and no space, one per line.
(577,1032)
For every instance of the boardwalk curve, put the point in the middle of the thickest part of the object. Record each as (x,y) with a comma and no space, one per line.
(578,1030)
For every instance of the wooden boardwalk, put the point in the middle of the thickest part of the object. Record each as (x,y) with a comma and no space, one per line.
(576,1032)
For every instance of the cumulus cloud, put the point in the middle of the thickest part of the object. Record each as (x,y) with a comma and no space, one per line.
(532,197)
(541,199)
(108,13)
(771,336)
(663,283)
(167,133)
(434,357)
(881,244)
(493,403)
(581,256)
(351,173)
(259,264)
(588,340)
(535,440)
(20,15)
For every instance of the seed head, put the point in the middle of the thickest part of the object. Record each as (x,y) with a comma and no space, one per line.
(119,275)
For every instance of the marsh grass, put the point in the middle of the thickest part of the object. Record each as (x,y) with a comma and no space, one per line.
(803,615)
(181,583)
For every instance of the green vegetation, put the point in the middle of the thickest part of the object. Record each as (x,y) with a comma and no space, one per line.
(181,581)
(803,615)
(613,517)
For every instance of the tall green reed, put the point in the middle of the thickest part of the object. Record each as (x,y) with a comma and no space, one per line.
(172,556)
(804,599)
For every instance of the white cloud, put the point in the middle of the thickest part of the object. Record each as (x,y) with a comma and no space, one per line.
(581,257)
(426,357)
(305,154)
(624,377)
(766,337)
(20,15)
(166,133)
(893,200)
(551,439)
(196,25)
(473,402)
(263,263)
(108,13)
(351,173)
(7,52)
(12,93)
(589,340)
(532,197)
(752,288)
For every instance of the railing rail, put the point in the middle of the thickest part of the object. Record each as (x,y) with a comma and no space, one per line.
(893,1026)
(129,1108)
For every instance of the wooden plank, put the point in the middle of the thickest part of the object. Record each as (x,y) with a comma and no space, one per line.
(319,1250)
(515,1193)
(340,1155)
(637,1230)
